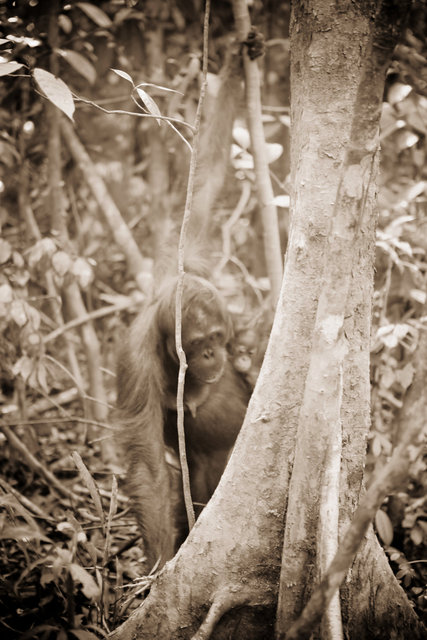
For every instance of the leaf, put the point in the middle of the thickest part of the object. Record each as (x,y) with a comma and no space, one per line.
(23,367)
(65,23)
(18,312)
(405,375)
(242,137)
(160,87)
(243,160)
(390,340)
(401,329)
(83,272)
(384,527)
(282,201)
(42,248)
(418,295)
(149,103)
(376,446)
(61,262)
(89,587)
(398,92)
(90,484)
(96,14)
(406,139)
(123,75)
(274,151)
(33,316)
(80,64)
(6,294)
(417,536)
(42,377)
(5,251)
(388,377)
(6,68)
(55,90)
(285,120)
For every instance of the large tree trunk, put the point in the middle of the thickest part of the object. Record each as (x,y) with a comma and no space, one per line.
(226,574)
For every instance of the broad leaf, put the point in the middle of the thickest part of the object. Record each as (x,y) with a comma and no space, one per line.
(55,90)
(6,68)
(80,64)
(123,75)
(96,14)
(149,103)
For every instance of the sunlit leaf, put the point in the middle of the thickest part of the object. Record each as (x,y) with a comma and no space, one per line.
(400,220)
(96,14)
(43,248)
(149,103)
(384,527)
(387,248)
(23,367)
(160,87)
(418,295)
(415,120)
(83,272)
(404,247)
(61,262)
(409,194)
(65,23)
(417,536)
(406,139)
(213,83)
(398,92)
(55,90)
(42,377)
(5,251)
(33,316)
(89,586)
(80,64)
(274,151)
(242,137)
(244,161)
(394,402)
(388,377)
(405,376)
(6,68)
(6,294)
(18,313)
(27,41)
(282,201)
(376,446)
(285,120)
(123,75)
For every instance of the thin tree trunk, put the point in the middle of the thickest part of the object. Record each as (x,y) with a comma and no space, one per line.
(271,236)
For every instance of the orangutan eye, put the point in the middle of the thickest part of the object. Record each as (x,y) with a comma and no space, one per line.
(217,336)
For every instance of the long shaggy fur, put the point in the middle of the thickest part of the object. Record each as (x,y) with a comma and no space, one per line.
(145,416)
